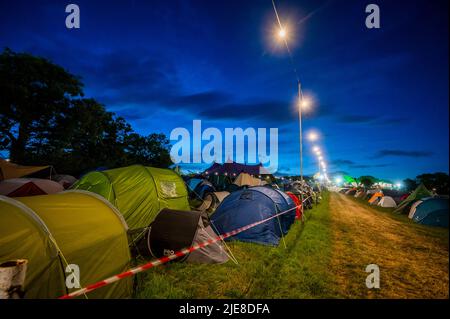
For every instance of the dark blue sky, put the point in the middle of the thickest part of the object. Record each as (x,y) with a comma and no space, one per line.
(381,96)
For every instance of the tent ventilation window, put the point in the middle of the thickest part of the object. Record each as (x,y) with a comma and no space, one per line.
(169,189)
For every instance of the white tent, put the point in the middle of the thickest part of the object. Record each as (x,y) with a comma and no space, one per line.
(245,179)
(387,201)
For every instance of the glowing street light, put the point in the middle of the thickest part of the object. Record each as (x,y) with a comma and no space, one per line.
(313,136)
(282,33)
(316,149)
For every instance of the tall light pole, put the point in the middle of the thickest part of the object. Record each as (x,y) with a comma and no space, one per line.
(300,106)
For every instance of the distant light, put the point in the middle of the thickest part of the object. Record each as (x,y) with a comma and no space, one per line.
(338,180)
(282,33)
(313,136)
(316,149)
(320,158)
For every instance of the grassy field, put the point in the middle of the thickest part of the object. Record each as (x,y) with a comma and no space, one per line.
(325,257)
(299,270)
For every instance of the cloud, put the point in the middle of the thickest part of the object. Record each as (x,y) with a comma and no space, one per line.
(343,162)
(369,165)
(402,153)
(270,111)
(356,118)
(370,119)
(352,164)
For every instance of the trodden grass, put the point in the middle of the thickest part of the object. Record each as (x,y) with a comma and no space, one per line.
(299,270)
(413,258)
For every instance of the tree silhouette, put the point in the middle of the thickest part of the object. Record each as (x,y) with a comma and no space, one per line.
(44,119)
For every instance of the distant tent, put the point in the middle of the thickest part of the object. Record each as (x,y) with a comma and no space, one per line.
(375,198)
(139,192)
(10,170)
(234,169)
(198,188)
(387,201)
(173,230)
(360,194)
(65,180)
(251,205)
(420,192)
(245,179)
(431,211)
(350,180)
(20,187)
(71,227)
(212,200)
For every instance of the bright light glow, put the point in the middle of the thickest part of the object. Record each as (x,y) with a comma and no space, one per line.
(306,103)
(398,185)
(320,158)
(313,136)
(316,149)
(282,33)
(338,180)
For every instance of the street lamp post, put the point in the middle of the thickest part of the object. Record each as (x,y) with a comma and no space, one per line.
(300,101)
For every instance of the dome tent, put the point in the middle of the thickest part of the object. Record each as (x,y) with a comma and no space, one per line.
(387,201)
(172,231)
(52,231)
(138,192)
(251,205)
(420,192)
(431,211)
(19,187)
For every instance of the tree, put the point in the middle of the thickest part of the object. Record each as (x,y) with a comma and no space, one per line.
(410,184)
(438,181)
(367,181)
(150,150)
(33,92)
(44,119)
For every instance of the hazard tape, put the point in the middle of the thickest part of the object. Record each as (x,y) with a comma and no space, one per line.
(165,259)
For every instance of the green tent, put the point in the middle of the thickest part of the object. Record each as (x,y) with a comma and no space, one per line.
(54,231)
(139,192)
(420,192)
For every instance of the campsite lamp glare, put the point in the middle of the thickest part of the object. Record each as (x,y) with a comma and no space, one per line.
(312,136)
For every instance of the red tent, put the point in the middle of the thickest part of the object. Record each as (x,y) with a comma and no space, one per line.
(298,211)
(19,187)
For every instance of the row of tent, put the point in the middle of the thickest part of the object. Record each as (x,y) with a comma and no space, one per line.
(108,217)
(421,205)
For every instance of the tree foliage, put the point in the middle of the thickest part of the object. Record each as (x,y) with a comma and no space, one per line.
(44,119)
(437,181)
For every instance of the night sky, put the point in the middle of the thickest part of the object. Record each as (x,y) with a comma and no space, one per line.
(381,95)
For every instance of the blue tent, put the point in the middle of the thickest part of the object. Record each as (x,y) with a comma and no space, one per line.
(247,206)
(199,187)
(432,211)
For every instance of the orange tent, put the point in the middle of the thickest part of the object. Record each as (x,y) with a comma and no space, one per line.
(375,196)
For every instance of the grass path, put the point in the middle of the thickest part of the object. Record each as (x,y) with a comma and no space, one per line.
(413,259)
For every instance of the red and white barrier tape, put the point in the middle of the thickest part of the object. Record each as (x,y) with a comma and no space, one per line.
(166,259)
